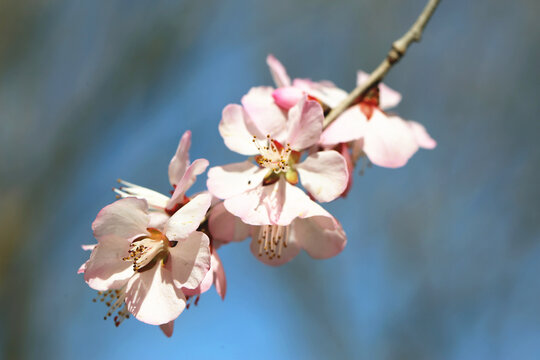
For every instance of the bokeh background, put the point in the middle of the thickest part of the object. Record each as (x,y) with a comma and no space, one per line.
(443,258)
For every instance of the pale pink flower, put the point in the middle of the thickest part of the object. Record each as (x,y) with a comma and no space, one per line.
(387,140)
(288,92)
(265,194)
(316,231)
(143,267)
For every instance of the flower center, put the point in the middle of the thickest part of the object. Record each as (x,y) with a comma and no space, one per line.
(272,239)
(273,155)
(114,299)
(145,252)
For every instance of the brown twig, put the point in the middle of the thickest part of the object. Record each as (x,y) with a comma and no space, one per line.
(399,47)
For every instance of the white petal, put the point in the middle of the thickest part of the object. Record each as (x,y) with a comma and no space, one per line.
(234,131)
(152,298)
(324,174)
(190,260)
(233,179)
(188,218)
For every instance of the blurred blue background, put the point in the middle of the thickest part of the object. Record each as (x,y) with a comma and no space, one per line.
(443,255)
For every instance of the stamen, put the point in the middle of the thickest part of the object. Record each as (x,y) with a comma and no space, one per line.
(272,239)
(142,252)
(272,154)
(115,301)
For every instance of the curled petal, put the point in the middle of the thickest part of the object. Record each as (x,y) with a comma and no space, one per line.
(349,126)
(197,168)
(154,199)
(287,97)
(305,124)
(180,160)
(152,298)
(423,139)
(220,281)
(389,141)
(188,218)
(324,174)
(234,131)
(190,260)
(279,74)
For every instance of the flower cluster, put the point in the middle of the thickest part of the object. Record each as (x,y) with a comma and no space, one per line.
(155,253)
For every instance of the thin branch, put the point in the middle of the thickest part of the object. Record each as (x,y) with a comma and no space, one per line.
(399,47)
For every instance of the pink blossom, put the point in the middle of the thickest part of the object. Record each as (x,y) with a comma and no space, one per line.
(182,175)
(264,193)
(387,140)
(143,267)
(316,231)
(288,92)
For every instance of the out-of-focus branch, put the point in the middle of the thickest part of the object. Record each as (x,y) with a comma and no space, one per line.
(399,47)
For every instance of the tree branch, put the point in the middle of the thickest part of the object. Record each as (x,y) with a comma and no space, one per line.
(399,47)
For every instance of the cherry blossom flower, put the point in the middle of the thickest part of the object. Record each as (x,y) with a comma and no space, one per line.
(145,268)
(264,193)
(182,175)
(387,140)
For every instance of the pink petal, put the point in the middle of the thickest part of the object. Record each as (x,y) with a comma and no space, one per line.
(234,131)
(349,126)
(220,281)
(287,97)
(324,174)
(296,204)
(167,328)
(197,168)
(265,117)
(287,253)
(188,218)
(121,221)
(344,151)
(250,206)
(82,268)
(305,124)
(225,227)
(389,141)
(279,74)
(321,236)
(105,269)
(324,91)
(233,179)
(190,260)
(421,135)
(388,98)
(152,298)
(180,160)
